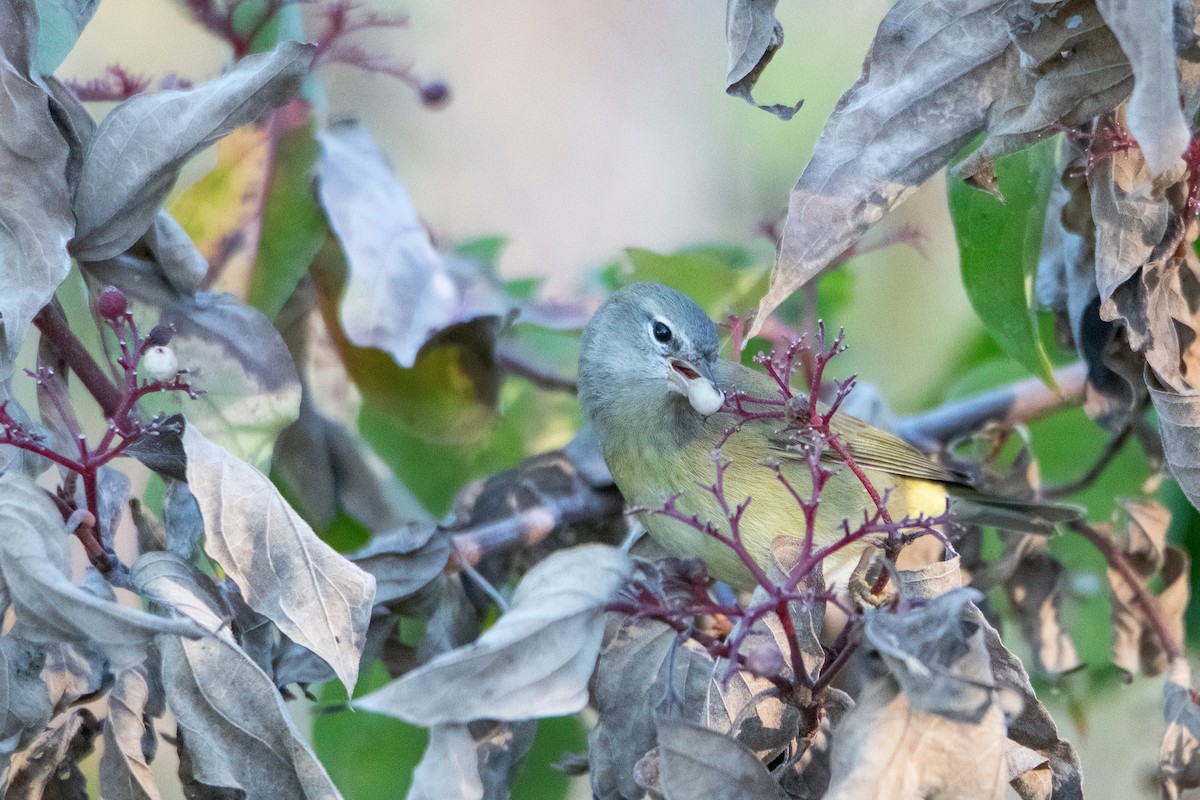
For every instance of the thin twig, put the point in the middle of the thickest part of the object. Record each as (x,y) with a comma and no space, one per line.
(1111,451)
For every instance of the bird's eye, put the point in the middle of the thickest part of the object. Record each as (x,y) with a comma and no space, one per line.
(661,332)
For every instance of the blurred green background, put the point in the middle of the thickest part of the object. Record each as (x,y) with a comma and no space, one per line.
(578,129)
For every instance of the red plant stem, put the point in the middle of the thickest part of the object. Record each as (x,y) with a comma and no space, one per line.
(1143,599)
(53,325)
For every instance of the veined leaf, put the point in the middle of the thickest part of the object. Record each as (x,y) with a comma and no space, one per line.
(999,242)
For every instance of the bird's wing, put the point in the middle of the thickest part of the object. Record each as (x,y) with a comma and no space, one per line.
(871,447)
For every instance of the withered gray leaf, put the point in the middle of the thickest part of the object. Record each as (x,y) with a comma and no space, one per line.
(404,560)
(36,220)
(753,35)
(285,572)
(182,264)
(1179,754)
(887,748)
(234,354)
(937,74)
(137,151)
(903,120)
(125,772)
(239,733)
(534,662)
(34,565)
(401,290)
(112,494)
(74,673)
(1179,423)
(1144,30)
(327,470)
(645,668)
(701,764)
(25,704)
(49,768)
(181,517)
(163,453)
(937,655)
(932,580)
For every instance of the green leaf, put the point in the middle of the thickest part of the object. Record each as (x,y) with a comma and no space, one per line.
(999,243)
(717,278)
(293,226)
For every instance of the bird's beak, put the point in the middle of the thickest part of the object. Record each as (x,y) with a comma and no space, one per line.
(694,380)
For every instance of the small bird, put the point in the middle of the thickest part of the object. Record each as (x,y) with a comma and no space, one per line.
(653,386)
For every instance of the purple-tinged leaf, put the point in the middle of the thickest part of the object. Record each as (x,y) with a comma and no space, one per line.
(534,662)
(315,596)
(138,149)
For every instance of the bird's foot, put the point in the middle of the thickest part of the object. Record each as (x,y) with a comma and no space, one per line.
(865,585)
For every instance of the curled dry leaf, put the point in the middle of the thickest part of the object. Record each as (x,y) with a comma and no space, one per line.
(239,734)
(1179,423)
(887,748)
(35,218)
(645,668)
(400,290)
(1156,121)
(1179,755)
(534,662)
(34,565)
(1034,592)
(701,764)
(126,174)
(125,772)
(315,596)
(49,767)
(753,35)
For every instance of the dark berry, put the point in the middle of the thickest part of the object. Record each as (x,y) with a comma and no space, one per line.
(112,304)
(160,334)
(435,93)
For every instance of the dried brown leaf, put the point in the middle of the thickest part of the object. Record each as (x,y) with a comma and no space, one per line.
(534,662)
(1034,591)
(1179,754)
(886,748)
(314,594)
(1179,424)
(49,768)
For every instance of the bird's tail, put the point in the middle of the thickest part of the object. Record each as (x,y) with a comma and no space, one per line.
(973,508)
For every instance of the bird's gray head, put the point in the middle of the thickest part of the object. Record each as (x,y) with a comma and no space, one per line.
(648,350)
